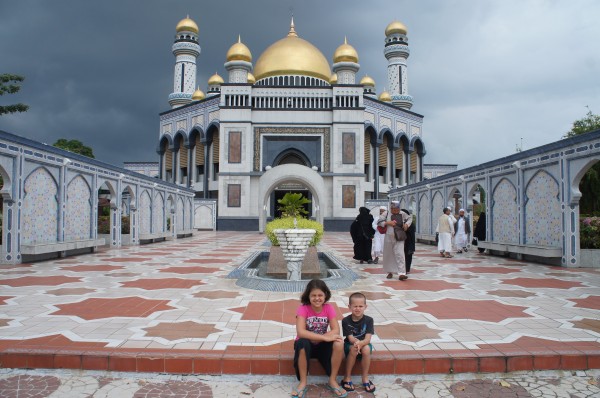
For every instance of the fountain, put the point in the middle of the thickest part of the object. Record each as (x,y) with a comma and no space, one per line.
(294,244)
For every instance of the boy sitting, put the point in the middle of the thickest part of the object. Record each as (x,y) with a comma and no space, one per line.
(358,329)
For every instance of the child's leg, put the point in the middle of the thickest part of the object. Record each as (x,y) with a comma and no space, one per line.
(302,354)
(350,361)
(365,362)
(336,361)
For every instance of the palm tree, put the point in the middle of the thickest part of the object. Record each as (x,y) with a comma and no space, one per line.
(292,205)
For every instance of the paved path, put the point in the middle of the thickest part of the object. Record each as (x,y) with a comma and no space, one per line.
(87,384)
(168,307)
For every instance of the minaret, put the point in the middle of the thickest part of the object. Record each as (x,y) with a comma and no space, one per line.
(345,63)
(396,51)
(186,49)
(239,62)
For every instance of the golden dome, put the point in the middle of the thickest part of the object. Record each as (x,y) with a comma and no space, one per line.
(367,81)
(385,97)
(251,78)
(215,79)
(292,56)
(345,53)
(333,78)
(395,27)
(198,95)
(239,52)
(188,25)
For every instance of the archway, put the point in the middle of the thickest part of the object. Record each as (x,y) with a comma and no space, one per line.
(291,174)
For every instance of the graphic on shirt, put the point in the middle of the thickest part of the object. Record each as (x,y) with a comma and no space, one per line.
(317,324)
(358,331)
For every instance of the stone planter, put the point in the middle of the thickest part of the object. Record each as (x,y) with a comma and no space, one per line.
(294,244)
(589,258)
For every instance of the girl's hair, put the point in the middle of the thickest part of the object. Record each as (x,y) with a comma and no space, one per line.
(312,285)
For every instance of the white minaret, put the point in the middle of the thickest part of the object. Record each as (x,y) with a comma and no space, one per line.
(186,49)
(239,62)
(345,64)
(396,51)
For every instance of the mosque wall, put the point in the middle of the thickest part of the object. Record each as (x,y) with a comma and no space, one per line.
(51,196)
(531,199)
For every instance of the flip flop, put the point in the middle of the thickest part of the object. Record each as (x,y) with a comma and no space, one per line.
(299,394)
(369,387)
(339,392)
(347,385)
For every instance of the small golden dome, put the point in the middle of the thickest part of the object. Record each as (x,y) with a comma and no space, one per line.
(292,56)
(239,52)
(345,53)
(251,78)
(198,95)
(333,78)
(395,27)
(188,25)
(215,79)
(385,97)
(367,81)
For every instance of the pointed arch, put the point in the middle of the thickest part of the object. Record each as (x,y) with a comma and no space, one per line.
(41,194)
(505,222)
(543,210)
(78,214)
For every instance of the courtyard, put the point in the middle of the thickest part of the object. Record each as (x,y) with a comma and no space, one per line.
(169,307)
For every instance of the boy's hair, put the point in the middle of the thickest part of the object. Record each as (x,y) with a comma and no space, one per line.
(357,295)
(310,286)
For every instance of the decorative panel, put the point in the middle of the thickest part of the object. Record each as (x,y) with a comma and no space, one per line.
(145,213)
(543,211)
(40,209)
(216,144)
(199,148)
(424,225)
(235,147)
(158,212)
(348,148)
(234,194)
(180,215)
(383,152)
(367,148)
(505,220)
(79,210)
(168,160)
(348,196)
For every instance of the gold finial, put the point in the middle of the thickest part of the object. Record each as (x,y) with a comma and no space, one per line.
(292,30)
(345,40)
(239,38)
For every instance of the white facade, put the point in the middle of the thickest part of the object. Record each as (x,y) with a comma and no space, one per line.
(250,141)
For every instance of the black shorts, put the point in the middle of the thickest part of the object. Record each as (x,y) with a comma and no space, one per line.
(321,351)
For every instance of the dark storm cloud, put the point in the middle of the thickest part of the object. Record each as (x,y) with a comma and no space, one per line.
(479,71)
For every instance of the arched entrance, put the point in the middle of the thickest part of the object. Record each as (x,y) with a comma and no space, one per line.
(292,174)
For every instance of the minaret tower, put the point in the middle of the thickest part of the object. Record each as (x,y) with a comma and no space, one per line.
(186,49)
(396,51)
(239,62)
(345,63)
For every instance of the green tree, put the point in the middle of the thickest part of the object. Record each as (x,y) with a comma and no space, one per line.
(590,183)
(74,146)
(292,205)
(9,85)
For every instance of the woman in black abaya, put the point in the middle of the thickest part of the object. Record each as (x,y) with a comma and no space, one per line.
(362,233)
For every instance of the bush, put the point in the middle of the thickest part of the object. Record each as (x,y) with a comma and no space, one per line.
(104,225)
(589,232)
(288,223)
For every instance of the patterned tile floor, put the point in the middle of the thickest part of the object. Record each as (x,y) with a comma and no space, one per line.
(168,307)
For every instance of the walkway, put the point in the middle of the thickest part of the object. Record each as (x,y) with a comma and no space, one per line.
(168,307)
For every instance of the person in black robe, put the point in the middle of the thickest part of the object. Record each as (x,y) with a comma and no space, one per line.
(479,231)
(409,243)
(362,233)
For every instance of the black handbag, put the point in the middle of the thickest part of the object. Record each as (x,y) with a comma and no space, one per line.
(474,242)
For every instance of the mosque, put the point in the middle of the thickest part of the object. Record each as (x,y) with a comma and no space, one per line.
(289,122)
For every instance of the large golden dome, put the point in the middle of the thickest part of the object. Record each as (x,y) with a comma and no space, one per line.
(292,56)
(188,25)
(345,53)
(396,27)
(239,52)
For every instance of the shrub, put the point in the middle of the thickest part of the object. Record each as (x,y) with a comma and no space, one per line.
(288,223)
(589,232)
(104,224)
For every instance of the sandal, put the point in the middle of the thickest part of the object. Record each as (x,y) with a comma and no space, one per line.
(369,387)
(338,391)
(389,276)
(347,385)
(299,394)
(448,255)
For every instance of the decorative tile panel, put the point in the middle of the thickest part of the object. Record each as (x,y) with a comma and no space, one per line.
(505,213)
(145,213)
(424,224)
(181,125)
(198,120)
(40,208)
(158,212)
(180,215)
(542,211)
(79,210)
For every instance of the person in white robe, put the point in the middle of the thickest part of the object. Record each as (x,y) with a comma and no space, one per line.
(379,236)
(445,229)
(462,230)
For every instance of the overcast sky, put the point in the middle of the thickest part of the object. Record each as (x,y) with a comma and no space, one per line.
(485,74)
